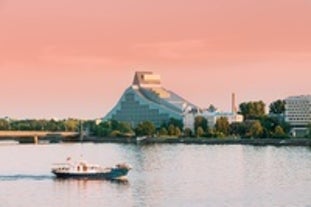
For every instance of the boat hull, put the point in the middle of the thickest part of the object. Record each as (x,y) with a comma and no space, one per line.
(114,174)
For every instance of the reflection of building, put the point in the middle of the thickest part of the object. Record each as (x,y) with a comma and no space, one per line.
(211,115)
(298,113)
(147,100)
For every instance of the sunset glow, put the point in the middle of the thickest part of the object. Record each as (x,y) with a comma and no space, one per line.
(74,58)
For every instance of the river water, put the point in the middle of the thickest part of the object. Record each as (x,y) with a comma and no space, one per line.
(162,175)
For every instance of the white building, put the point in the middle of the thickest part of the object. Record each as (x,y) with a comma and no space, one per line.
(298,113)
(212,115)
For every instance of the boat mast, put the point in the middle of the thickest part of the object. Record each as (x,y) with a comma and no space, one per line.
(81,138)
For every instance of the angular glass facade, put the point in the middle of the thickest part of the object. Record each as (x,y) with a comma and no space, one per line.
(148,102)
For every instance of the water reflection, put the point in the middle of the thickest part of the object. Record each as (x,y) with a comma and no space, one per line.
(162,175)
(25,177)
(91,181)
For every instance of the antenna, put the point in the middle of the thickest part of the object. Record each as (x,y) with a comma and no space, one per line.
(81,138)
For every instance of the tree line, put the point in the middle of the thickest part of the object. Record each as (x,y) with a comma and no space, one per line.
(113,128)
(70,125)
(256,124)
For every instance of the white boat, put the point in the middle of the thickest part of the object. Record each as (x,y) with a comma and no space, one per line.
(84,170)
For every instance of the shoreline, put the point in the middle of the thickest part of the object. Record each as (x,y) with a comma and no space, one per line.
(207,141)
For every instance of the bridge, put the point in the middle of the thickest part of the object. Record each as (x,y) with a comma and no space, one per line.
(36,136)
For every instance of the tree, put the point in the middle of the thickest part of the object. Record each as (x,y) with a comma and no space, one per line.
(279,132)
(115,133)
(72,125)
(187,132)
(163,131)
(200,121)
(222,125)
(171,130)
(4,124)
(175,122)
(145,128)
(177,132)
(124,127)
(238,129)
(200,132)
(268,123)
(277,107)
(256,130)
(252,110)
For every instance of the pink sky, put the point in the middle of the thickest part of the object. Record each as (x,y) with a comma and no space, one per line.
(74,58)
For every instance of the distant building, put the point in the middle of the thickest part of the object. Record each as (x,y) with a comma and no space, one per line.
(147,100)
(212,114)
(213,117)
(298,113)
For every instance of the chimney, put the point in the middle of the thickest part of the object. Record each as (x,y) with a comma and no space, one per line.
(233,106)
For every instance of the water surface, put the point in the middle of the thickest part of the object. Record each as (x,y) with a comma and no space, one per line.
(162,175)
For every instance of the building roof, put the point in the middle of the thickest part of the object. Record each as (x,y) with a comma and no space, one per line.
(147,79)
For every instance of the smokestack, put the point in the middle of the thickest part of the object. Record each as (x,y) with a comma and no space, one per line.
(233,106)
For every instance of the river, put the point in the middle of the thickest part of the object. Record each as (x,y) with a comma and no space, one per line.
(162,175)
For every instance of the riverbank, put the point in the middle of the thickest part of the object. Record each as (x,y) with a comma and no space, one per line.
(206,141)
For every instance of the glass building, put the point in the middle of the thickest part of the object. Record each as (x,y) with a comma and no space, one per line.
(147,100)
(298,114)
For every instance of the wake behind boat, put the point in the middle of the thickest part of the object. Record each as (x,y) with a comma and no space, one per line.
(84,170)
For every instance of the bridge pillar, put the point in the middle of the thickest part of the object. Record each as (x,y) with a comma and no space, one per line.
(36,140)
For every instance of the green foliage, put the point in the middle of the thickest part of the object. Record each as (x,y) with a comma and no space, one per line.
(145,128)
(72,125)
(269,124)
(176,122)
(222,126)
(279,132)
(188,132)
(173,127)
(112,128)
(252,110)
(38,125)
(115,133)
(277,107)
(238,129)
(4,124)
(200,131)
(256,130)
(171,130)
(124,127)
(177,132)
(101,132)
(200,122)
(163,131)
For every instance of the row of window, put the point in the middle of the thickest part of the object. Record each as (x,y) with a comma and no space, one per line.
(299,119)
